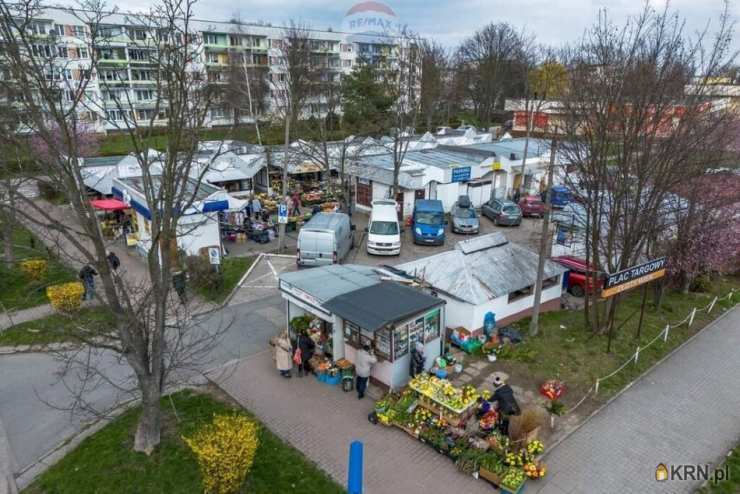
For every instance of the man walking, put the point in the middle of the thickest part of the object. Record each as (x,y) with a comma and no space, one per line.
(114,261)
(363,367)
(87,275)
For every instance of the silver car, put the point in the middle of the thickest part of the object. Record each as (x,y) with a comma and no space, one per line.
(464,219)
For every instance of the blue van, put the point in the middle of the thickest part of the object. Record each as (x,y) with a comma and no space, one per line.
(560,196)
(429,222)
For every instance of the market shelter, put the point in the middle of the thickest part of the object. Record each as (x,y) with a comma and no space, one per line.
(352,304)
(487,274)
(391,318)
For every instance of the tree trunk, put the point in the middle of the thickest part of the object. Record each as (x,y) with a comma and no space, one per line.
(7,233)
(686,284)
(544,240)
(281,226)
(148,429)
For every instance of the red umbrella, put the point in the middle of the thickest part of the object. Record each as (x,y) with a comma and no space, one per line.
(109,204)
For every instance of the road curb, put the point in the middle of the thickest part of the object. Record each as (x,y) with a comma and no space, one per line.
(639,378)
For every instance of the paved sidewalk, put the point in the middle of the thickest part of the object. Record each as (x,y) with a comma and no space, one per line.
(321,421)
(8,320)
(686,411)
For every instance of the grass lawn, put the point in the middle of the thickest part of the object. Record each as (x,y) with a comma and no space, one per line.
(18,291)
(730,485)
(105,463)
(233,269)
(56,328)
(566,350)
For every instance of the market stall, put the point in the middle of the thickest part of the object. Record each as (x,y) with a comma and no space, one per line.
(114,217)
(450,420)
(391,318)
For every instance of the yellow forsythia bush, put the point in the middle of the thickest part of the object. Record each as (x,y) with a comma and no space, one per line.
(34,268)
(225,450)
(66,297)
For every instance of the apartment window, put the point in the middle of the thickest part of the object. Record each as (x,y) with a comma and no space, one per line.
(139,55)
(212,57)
(144,94)
(69,96)
(145,114)
(79,31)
(115,115)
(83,53)
(210,39)
(58,30)
(63,52)
(67,74)
(41,51)
(137,34)
(110,75)
(276,43)
(235,40)
(218,112)
(141,75)
(37,28)
(346,48)
(520,294)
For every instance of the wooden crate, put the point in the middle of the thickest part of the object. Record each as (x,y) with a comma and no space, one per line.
(489,476)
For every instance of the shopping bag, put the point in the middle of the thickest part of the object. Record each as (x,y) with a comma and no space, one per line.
(298,357)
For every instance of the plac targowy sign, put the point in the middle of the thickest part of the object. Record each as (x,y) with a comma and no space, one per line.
(634,276)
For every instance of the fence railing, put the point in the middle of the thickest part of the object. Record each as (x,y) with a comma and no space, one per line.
(689,319)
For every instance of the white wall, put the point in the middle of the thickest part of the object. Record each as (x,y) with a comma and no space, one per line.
(448,194)
(198,231)
(471,317)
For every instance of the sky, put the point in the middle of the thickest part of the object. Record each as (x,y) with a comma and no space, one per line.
(553,22)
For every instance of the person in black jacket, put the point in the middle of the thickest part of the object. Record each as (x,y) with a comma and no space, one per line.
(114,261)
(503,396)
(307,346)
(87,275)
(417,360)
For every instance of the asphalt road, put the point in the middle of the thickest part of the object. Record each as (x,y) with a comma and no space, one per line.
(27,381)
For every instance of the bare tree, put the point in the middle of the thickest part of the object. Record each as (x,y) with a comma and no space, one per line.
(291,88)
(488,67)
(633,133)
(433,80)
(401,77)
(154,335)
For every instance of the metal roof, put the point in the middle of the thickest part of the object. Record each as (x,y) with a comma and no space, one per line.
(504,147)
(490,269)
(102,160)
(200,191)
(324,221)
(376,306)
(327,282)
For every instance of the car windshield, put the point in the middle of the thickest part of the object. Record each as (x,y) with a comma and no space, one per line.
(464,213)
(511,210)
(429,218)
(535,202)
(384,228)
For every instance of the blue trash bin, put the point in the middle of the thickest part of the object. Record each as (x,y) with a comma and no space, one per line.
(489,324)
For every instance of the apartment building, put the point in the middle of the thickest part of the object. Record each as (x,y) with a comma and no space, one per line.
(123,85)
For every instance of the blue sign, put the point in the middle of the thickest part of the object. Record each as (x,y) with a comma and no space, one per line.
(282,213)
(461,174)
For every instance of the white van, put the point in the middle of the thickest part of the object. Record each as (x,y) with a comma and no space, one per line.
(383,230)
(326,239)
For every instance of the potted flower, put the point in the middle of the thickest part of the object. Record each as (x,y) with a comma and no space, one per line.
(553,390)
(513,481)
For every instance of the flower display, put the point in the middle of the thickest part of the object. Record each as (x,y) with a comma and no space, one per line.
(552,390)
(513,478)
(534,470)
(535,448)
(442,391)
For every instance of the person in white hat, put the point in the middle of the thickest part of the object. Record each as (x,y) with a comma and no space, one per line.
(506,404)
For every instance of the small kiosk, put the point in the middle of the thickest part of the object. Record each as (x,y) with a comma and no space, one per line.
(351,305)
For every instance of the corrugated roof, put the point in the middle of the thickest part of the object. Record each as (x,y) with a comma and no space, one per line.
(378,305)
(484,273)
(327,282)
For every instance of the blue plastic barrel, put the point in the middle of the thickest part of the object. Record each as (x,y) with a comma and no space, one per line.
(489,323)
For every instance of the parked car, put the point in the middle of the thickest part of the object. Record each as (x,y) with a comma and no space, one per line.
(579,278)
(560,196)
(464,218)
(573,213)
(532,206)
(502,212)
(429,222)
(383,230)
(327,238)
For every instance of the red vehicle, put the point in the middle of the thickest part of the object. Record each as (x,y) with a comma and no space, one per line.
(532,206)
(580,275)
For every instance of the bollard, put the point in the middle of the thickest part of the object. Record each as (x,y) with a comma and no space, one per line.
(637,354)
(691,319)
(711,306)
(354,476)
(596,387)
(665,335)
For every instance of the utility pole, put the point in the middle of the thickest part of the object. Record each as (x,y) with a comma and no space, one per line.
(284,192)
(544,239)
